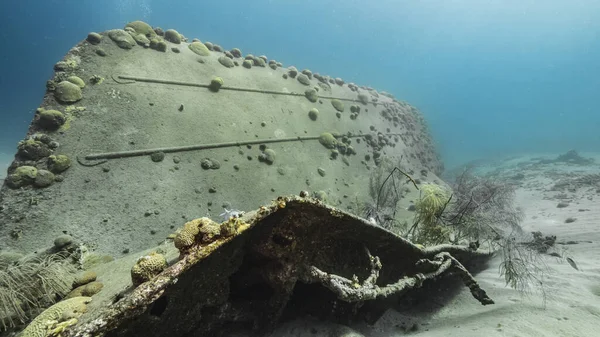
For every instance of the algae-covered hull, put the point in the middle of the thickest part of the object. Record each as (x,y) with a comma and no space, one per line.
(141,130)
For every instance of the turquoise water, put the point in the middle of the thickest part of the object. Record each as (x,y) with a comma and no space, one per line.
(491,77)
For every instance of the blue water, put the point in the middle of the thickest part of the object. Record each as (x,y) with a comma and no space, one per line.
(492,77)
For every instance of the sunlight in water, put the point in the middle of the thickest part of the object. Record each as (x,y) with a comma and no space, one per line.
(140,7)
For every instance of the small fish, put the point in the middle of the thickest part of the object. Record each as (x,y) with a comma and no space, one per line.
(572,263)
(231,213)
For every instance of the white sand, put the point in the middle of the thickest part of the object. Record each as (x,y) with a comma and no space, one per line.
(573,304)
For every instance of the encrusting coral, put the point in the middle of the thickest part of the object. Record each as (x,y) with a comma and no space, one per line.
(52,321)
(204,231)
(303,240)
(147,267)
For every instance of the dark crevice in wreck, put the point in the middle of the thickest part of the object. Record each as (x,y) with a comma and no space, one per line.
(265,275)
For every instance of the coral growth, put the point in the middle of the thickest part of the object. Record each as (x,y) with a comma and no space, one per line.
(55,319)
(32,283)
(147,267)
(431,202)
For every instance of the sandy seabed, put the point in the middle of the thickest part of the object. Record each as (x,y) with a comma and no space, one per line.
(572,297)
(571,304)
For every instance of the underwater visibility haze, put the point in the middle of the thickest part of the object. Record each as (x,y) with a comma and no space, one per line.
(493,78)
(299,168)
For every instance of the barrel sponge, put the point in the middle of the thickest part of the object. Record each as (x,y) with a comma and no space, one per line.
(89,289)
(59,312)
(172,35)
(33,149)
(337,104)
(44,178)
(363,98)
(147,267)
(85,278)
(58,163)
(199,48)
(50,119)
(22,176)
(92,288)
(122,38)
(313,114)
(328,140)
(67,92)
(161,46)
(141,39)
(311,95)
(216,83)
(141,27)
(76,80)
(226,61)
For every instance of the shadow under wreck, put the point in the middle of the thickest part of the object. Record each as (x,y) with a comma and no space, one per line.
(294,257)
